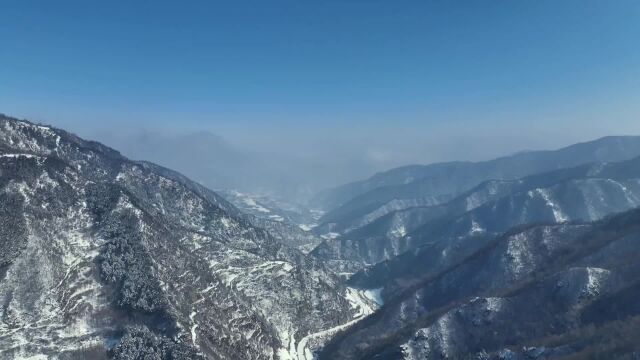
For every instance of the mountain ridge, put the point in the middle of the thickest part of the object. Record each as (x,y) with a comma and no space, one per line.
(431,180)
(117,257)
(526,284)
(584,192)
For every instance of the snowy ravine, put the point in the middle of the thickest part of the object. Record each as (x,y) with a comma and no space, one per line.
(97,252)
(285,221)
(363,302)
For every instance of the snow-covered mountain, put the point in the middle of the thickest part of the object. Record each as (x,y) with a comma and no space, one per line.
(588,192)
(548,291)
(272,208)
(99,252)
(103,257)
(290,223)
(339,222)
(361,199)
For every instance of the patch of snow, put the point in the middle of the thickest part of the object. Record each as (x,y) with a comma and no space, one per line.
(595,279)
(225,222)
(193,327)
(518,254)
(276,218)
(472,202)
(494,304)
(475,228)
(254,205)
(399,231)
(631,198)
(557,212)
(28,156)
(374,295)
(306,227)
(330,235)
(364,302)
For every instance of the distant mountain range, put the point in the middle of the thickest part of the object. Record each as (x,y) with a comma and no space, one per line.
(233,162)
(512,267)
(531,256)
(453,178)
(205,157)
(588,193)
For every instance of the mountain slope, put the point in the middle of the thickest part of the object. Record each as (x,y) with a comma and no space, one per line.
(450,179)
(588,192)
(560,284)
(102,252)
(290,223)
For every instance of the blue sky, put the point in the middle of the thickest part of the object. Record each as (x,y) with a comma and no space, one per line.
(560,70)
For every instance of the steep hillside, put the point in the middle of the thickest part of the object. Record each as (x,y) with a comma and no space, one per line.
(544,291)
(289,223)
(98,252)
(587,192)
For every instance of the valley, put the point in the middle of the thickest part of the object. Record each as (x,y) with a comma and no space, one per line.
(320,180)
(117,258)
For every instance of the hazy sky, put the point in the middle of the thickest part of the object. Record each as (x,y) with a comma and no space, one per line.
(387,82)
